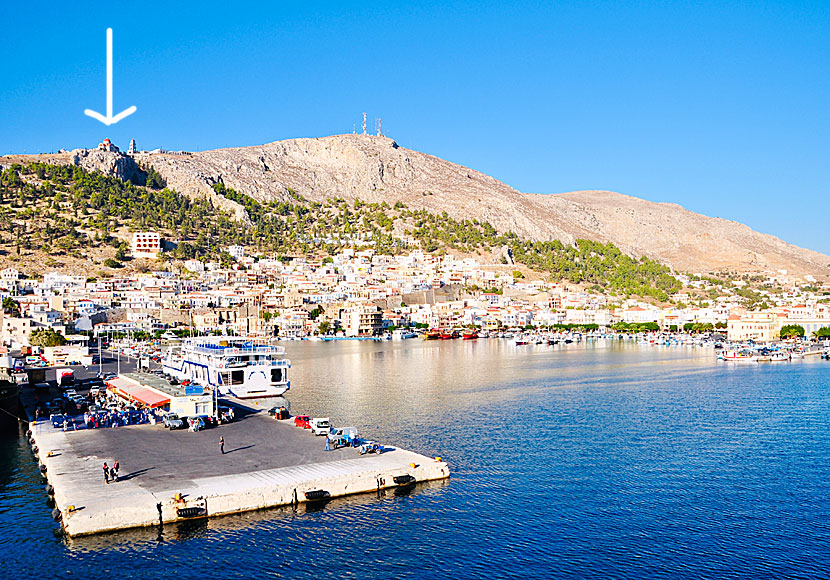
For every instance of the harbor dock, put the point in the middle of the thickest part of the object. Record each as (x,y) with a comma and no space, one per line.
(169,476)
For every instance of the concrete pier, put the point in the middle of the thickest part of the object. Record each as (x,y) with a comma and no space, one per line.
(163,473)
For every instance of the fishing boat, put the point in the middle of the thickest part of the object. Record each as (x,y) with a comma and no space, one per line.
(237,367)
(737,356)
(432,335)
(469,335)
(402,334)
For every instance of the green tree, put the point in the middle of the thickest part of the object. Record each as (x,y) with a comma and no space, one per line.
(325,327)
(46,337)
(792,331)
(11,306)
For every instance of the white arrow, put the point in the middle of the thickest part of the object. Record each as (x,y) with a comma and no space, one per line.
(109,119)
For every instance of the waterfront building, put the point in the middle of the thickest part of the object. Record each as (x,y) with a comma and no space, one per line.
(362,321)
(154,392)
(756,326)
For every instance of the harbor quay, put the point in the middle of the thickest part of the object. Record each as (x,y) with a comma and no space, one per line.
(169,476)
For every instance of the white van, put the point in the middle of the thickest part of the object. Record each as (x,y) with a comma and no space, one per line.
(320,425)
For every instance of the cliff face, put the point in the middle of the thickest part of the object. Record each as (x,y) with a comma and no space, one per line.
(376,169)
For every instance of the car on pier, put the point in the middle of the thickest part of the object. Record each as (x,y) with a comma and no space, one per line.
(320,425)
(173,421)
(302,421)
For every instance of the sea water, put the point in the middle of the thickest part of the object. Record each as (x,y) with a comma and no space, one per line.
(594,460)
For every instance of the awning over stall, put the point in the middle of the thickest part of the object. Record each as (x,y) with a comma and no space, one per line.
(137,393)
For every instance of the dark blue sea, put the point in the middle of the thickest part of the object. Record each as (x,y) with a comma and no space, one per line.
(600,460)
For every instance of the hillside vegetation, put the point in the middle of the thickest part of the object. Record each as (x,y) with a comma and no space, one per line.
(66,210)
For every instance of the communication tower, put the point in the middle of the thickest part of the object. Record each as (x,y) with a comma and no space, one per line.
(364,123)
(379,131)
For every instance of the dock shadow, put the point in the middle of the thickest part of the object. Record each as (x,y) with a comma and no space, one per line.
(133,474)
(240,448)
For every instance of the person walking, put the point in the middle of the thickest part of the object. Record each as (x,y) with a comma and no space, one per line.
(328,442)
(115,468)
(106,473)
(222,444)
(113,475)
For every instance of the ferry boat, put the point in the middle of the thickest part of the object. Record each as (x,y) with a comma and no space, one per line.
(234,366)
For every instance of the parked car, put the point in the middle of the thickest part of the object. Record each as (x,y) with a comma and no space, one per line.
(173,421)
(302,421)
(320,425)
(226,414)
(57,420)
(207,421)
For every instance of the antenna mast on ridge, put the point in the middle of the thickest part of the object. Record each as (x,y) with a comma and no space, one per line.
(380,134)
(364,123)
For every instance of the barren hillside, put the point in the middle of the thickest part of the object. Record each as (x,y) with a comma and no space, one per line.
(377,169)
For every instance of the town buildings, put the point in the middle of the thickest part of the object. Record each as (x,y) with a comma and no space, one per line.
(360,293)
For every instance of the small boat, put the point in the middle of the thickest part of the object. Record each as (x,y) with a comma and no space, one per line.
(432,335)
(469,335)
(737,356)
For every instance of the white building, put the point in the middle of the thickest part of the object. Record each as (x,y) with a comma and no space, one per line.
(146,244)
(195,266)
(236,251)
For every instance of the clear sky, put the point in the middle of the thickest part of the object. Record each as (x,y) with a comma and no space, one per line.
(720,107)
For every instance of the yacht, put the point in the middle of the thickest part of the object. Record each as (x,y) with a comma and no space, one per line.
(237,367)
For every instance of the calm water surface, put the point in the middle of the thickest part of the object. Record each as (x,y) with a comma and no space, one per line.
(587,461)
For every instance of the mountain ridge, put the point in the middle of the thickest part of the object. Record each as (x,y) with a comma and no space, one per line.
(377,169)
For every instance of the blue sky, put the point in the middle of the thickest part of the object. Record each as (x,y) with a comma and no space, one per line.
(719,107)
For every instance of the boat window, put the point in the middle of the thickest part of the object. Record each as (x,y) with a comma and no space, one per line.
(237,377)
(276,375)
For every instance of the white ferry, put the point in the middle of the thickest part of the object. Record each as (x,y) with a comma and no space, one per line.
(235,366)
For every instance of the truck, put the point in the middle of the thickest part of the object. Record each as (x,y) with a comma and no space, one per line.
(67,379)
(320,425)
(343,437)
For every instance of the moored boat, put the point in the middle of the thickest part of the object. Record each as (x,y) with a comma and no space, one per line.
(233,366)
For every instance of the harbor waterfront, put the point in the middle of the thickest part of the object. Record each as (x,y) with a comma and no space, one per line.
(602,459)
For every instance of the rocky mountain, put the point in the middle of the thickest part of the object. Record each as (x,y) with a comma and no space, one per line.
(376,169)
